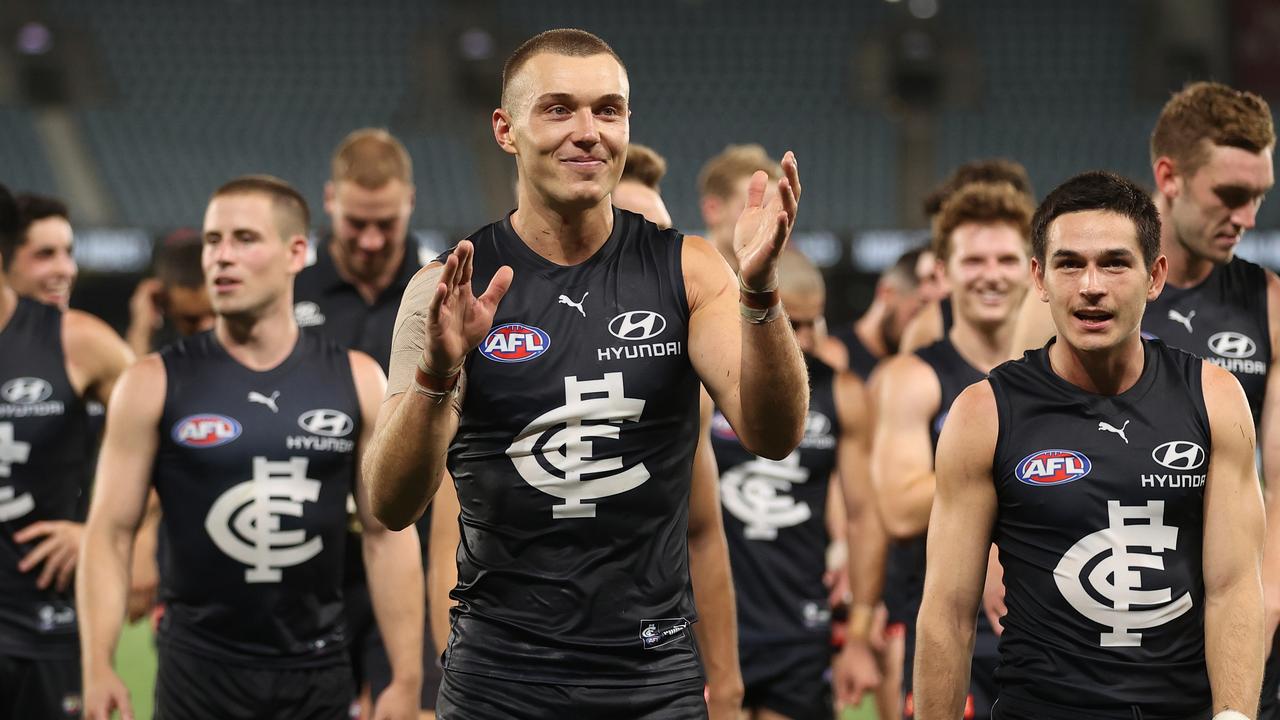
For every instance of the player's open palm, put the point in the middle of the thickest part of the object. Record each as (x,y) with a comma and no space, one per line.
(103,695)
(765,225)
(457,320)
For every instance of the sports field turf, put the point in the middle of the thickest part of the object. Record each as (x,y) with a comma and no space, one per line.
(136,660)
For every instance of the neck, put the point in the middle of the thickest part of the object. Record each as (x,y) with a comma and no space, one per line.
(867,329)
(1103,372)
(565,237)
(983,347)
(8,303)
(259,341)
(369,288)
(1185,268)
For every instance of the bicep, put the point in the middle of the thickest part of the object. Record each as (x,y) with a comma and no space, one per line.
(715,332)
(1233,512)
(129,447)
(901,444)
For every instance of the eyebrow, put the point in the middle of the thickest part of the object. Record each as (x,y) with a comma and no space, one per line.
(1109,253)
(1252,190)
(570,98)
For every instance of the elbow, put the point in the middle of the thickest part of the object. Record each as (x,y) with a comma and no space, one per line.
(391,517)
(776,444)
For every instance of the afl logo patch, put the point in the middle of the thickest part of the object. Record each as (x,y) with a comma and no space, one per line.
(721,428)
(1053,467)
(515,342)
(205,431)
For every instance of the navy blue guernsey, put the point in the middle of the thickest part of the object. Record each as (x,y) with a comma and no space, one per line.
(1100,522)
(253,472)
(1223,320)
(45,456)
(572,463)
(775,523)
(861,361)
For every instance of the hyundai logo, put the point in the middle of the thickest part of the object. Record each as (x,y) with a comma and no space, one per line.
(330,423)
(637,325)
(1232,345)
(26,390)
(1179,455)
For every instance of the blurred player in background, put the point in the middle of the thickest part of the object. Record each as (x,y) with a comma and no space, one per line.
(250,435)
(39,263)
(639,190)
(351,294)
(901,291)
(982,235)
(1116,475)
(934,321)
(775,515)
(51,363)
(174,303)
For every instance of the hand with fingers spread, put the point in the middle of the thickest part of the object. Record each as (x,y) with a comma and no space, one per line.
(105,693)
(765,225)
(56,554)
(457,320)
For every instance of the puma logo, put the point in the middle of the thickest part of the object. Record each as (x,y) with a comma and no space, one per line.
(261,399)
(1108,427)
(1184,320)
(564,300)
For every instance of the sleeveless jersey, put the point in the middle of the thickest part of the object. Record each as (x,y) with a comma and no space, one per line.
(775,523)
(572,462)
(1223,320)
(45,458)
(1101,509)
(253,472)
(861,361)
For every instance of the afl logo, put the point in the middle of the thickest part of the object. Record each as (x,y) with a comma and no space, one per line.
(1179,455)
(330,423)
(1053,467)
(515,342)
(721,428)
(1232,345)
(637,325)
(26,391)
(205,431)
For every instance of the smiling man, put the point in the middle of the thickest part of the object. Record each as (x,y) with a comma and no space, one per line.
(40,265)
(572,437)
(1116,476)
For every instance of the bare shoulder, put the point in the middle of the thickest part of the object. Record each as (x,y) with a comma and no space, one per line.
(706,274)
(924,329)
(83,333)
(1224,398)
(141,388)
(906,379)
(364,367)
(851,399)
(969,434)
(1273,311)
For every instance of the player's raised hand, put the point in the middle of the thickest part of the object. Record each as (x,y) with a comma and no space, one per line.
(457,320)
(765,225)
(104,693)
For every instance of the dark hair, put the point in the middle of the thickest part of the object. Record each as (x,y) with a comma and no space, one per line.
(9,224)
(1099,190)
(33,208)
(992,170)
(292,216)
(177,259)
(570,42)
(903,270)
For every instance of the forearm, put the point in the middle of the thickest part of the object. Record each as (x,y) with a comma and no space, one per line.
(717,626)
(394,566)
(868,545)
(102,585)
(1234,645)
(406,459)
(944,644)
(774,389)
(1271,559)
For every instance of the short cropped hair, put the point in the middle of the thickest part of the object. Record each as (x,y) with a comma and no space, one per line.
(1099,190)
(292,215)
(177,259)
(1214,112)
(644,165)
(33,208)
(992,170)
(983,203)
(902,272)
(797,275)
(733,163)
(371,158)
(570,42)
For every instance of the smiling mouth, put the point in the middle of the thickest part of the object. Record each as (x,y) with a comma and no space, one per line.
(1093,317)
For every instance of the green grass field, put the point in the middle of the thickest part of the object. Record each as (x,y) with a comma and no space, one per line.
(136,660)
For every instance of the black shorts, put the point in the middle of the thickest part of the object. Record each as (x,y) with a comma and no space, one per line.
(191,687)
(790,679)
(1007,708)
(39,689)
(464,696)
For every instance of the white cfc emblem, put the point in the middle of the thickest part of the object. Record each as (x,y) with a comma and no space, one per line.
(554,453)
(244,521)
(1117,578)
(11,452)
(756,493)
